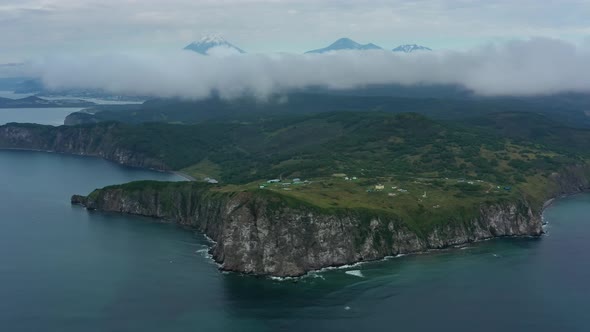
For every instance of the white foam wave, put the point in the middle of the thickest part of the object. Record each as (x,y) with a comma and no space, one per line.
(284,278)
(356,273)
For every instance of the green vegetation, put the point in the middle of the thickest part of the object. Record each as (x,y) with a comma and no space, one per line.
(368,145)
(422,202)
(406,165)
(441,103)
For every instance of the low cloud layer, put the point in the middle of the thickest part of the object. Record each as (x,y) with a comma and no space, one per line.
(535,66)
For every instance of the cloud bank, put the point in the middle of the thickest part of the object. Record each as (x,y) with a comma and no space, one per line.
(530,67)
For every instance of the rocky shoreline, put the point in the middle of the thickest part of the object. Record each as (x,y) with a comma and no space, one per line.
(260,236)
(78,141)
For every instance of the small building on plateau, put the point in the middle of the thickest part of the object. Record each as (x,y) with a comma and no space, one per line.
(211,181)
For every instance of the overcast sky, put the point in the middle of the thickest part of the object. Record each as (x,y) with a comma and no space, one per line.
(33,28)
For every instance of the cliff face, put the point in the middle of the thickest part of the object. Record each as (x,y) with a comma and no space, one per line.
(87,141)
(571,180)
(263,235)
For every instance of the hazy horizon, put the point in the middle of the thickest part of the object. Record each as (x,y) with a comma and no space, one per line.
(128,47)
(31,28)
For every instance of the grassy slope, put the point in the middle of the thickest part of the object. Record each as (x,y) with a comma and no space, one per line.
(503,150)
(405,151)
(444,200)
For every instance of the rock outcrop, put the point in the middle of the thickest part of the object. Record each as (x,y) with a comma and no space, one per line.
(98,141)
(264,233)
(570,180)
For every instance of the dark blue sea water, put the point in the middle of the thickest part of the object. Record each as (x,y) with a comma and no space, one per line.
(65,269)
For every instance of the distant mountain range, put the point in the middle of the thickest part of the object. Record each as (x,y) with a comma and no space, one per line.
(206,44)
(345,44)
(349,44)
(410,48)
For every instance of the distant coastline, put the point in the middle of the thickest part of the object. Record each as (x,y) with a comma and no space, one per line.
(177,173)
(36,102)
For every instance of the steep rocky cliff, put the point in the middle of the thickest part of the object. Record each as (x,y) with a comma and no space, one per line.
(99,141)
(570,180)
(264,233)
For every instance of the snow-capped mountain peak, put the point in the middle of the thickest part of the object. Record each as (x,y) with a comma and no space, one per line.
(346,44)
(207,43)
(409,48)
(211,39)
